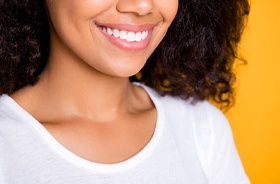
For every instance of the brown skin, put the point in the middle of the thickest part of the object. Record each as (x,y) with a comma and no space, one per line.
(84,97)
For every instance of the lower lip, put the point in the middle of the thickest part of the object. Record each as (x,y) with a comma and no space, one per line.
(129,46)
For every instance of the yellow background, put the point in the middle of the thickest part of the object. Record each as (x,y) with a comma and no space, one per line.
(255,119)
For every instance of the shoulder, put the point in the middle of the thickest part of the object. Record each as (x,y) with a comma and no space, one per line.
(204,119)
(209,129)
(11,115)
(10,125)
(5,109)
(202,111)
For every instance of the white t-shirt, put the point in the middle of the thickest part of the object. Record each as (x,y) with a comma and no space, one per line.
(192,144)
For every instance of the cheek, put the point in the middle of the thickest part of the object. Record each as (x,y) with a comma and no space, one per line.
(168,9)
(71,11)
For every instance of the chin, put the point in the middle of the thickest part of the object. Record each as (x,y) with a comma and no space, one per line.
(126,68)
(125,73)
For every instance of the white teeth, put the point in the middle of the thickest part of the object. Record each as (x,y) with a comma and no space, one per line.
(138,36)
(130,37)
(116,33)
(109,31)
(143,35)
(126,35)
(123,35)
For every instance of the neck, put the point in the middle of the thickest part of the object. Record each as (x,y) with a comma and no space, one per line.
(72,87)
(82,88)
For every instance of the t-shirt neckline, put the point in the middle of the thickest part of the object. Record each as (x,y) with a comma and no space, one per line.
(65,154)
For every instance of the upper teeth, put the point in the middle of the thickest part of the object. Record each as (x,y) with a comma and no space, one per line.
(126,35)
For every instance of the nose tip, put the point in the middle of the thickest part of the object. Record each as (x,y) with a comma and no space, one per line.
(138,7)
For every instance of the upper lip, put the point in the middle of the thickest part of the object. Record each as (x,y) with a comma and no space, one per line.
(128,27)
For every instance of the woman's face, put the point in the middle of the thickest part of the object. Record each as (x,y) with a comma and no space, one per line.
(115,37)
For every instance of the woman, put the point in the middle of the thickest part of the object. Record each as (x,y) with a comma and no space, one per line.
(73,110)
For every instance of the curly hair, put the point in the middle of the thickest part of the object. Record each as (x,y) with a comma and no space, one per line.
(193,61)
(24,43)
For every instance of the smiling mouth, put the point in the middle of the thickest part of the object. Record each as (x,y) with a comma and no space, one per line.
(129,36)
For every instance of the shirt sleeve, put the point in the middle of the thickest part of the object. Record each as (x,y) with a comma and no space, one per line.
(216,148)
